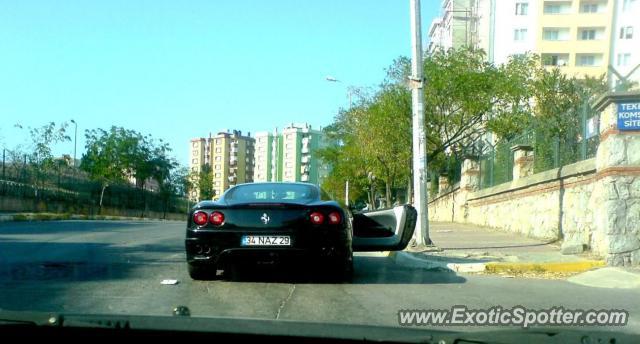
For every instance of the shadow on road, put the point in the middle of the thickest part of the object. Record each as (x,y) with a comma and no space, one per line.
(60,227)
(368,270)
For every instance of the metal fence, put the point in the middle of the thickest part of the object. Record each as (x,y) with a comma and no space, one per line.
(578,142)
(72,189)
(452,169)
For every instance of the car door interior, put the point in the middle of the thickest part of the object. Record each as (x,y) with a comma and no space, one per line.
(384,230)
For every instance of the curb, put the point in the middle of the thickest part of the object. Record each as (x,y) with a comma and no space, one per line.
(35,217)
(407,259)
(566,267)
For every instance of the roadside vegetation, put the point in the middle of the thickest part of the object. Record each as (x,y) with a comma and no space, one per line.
(468,102)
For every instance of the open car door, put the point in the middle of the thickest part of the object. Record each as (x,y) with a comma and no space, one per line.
(384,230)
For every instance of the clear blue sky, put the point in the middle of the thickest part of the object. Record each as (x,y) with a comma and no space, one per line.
(182,69)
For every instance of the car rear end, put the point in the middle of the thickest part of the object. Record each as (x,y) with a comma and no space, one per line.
(267,234)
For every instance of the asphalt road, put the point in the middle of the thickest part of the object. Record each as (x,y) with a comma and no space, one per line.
(116,268)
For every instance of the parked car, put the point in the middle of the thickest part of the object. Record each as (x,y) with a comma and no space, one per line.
(272,223)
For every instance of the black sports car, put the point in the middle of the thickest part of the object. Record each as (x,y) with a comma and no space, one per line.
(268,223)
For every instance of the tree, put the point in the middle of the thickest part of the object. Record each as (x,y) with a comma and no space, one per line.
(105,160)
(203,182)
(118,154)
(42,140)
(383,130)
(465,95)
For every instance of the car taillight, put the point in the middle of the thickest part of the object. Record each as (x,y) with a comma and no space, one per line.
(335,218)
(200,218)
(216,218)
(316,218)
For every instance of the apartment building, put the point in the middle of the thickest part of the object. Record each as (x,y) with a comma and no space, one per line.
(581,37)
(575,35)
(517,22)
(230,157)
(625,48)
(264,156)
(457,26)
(288,156)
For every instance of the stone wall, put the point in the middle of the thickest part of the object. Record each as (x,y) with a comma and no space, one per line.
(548,205)
(593,204)
(443,207)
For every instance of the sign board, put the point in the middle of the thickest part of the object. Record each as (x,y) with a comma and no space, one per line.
(629,116)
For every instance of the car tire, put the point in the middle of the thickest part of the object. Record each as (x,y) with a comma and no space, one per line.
(202,272)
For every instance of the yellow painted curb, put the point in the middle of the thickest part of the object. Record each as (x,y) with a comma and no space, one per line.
(545,267)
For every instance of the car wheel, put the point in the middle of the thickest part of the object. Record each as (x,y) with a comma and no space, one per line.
(202,272)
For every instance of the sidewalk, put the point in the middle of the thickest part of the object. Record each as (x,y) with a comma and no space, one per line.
(468,248)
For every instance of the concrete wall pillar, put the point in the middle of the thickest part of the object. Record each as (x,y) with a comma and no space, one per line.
(617,187)
(443,184)
(470,175)
(522,161)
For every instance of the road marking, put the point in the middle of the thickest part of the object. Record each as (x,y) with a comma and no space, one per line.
(284,302)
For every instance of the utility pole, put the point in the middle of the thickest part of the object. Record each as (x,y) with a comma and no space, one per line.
(75,142)
(419,140)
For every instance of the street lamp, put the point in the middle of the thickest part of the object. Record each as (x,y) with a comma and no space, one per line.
(330,78)
(75,142)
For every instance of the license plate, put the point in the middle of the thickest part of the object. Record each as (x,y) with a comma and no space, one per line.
(266,240)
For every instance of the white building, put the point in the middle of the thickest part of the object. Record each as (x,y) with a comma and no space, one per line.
(263,157)
(625,42)
(513,26)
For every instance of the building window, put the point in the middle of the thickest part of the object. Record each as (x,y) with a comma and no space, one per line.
(522,8)
(558,60)
(218,150)
(217,141)
(623,59)
(627,4)
(555,34)
(217,175)
(557,7)
(194,161)
(520,34)
(592,6)
(194,145)
(626,32)
(589,34)
(588,60)
(217,167)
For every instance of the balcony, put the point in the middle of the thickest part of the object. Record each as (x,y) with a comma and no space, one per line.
(304,178)
(306,159)
(233,179)
(305,150)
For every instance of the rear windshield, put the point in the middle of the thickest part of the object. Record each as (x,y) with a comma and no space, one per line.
(278,192)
